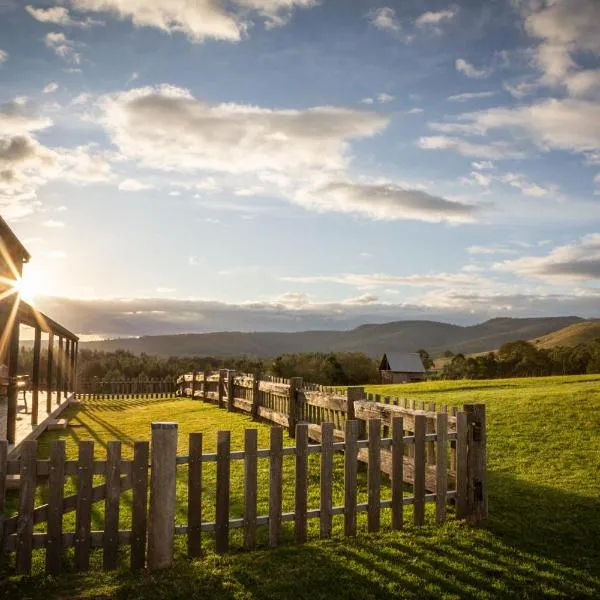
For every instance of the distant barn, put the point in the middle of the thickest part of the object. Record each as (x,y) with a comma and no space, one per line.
(401,367)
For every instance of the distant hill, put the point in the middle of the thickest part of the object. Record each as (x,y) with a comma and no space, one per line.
(578,333)
(374,340)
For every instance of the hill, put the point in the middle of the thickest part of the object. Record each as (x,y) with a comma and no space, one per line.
(374,340)
(572,335)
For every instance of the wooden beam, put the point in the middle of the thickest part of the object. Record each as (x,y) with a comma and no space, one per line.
(13,365)
(35,379)
(50,372)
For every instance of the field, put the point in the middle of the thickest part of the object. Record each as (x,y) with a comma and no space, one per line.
(542,538)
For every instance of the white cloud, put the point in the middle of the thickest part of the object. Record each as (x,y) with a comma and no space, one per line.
(434,18)
(527,187)
(490,250)
(372,280)
(579,261)
(385,19)
(63,47)
(367,101)
(3,56)
(483,165)
(53,224)
(50,88)
(17,119)
(414,111)
(469,70)
(198,20)
(384,202)
(470,96)
(167,128)
(491,151)
(59,15)
(566,124)
(384,98)
(82,165)
(133,185)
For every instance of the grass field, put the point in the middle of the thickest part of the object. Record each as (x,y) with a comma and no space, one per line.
(542,538)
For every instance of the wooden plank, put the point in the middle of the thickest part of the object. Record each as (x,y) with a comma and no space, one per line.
(477,500)
(301,504)
(326,480)
(275,485)
(274,416)
(194,509)
(324,400)
(374,475)
(250,486)
(222,491)
(280,389)
(26,505)
(350,478)
(230,390)
(397,476)
(255,397)
(3,470)
(293,403)
(441,487)
(83,516)
(56,487)
(111,506)
(35,376)
(461,464)
(163,502)
(419,470)
(369,410)
(139,506)
(430,428)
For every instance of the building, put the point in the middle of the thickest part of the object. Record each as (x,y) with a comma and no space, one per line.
(401,367)
(60,357)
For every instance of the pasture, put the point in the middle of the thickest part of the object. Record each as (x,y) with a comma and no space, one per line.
(542,537)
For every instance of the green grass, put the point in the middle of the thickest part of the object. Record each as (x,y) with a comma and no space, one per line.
(542,538)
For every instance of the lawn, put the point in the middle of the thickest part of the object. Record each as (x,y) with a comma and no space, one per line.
(542,538)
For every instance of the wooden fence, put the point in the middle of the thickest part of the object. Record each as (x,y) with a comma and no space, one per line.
(126,388)
(440,455)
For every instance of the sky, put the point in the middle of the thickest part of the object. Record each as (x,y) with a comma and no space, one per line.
(187,166)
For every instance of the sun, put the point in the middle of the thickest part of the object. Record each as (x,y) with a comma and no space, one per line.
(26,288)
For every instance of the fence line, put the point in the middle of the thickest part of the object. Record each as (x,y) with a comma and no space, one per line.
(126,388)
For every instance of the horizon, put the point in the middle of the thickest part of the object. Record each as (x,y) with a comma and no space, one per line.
(301,165)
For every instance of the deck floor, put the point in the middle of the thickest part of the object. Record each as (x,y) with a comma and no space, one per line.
(24,427)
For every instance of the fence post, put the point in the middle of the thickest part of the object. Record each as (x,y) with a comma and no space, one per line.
(230,389)
(221,386)
(161,524)
(477,501)
(255,397)
(193,384)
(205,384)
(295,386)
(353,394)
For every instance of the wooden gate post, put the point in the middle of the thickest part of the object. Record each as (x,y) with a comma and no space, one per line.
(230,390)
(207,374)
(295,386)
(194,373)
(161,522)
(354,394)
(221,388)
(477,500)
(255,397)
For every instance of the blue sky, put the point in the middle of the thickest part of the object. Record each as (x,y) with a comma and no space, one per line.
(292,164)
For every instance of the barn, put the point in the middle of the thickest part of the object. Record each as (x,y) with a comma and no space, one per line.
(401,367)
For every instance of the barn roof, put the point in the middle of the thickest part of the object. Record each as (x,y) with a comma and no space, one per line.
(404,362)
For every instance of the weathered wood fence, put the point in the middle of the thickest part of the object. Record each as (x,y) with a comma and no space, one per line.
(441,455)
(126,388)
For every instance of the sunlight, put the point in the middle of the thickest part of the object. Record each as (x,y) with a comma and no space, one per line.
(27,288)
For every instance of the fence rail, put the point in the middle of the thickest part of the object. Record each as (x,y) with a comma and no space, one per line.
(126,388)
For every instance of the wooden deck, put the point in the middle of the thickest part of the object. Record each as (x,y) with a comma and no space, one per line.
(24,428)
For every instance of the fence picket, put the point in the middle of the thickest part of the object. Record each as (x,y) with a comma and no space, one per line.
(222,492)
(28,474)
(301,481)
(83,516)
(461,464)
(275,485)
(419,470)
(250,486)
(3,470)
(56,487)
(441,485)
(326,479)
(194,532)
(111,507)
(350,472)
(374,475)
(139,516)
(397,475)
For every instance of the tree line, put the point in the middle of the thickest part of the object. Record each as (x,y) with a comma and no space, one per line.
(524,359)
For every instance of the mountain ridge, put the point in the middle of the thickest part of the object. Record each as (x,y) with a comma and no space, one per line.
(372,339)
